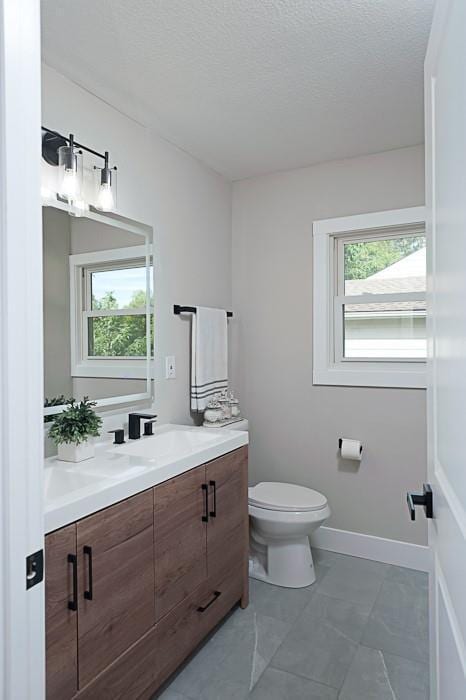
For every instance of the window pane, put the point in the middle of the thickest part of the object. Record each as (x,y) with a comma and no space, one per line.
(118,336)
(385,266)
(385,330)
(119,289)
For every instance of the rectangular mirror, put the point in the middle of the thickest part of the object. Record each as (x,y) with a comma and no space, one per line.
(98,309)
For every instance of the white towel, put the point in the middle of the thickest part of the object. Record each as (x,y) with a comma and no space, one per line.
(209,355)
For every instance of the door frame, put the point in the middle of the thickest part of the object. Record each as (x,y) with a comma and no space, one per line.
(22,655)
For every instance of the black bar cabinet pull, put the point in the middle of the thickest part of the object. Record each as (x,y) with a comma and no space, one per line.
(417,499)
(213,512)
(88,552)
(177,309)
(203,608)
(205,518)
(73,603)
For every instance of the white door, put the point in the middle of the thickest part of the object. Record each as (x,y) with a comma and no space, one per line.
(21,428)
(445,89)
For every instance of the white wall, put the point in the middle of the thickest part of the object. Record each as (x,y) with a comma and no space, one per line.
(187,204)
(295,426)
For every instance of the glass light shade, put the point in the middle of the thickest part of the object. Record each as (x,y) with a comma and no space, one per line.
(106,184)
(70,173)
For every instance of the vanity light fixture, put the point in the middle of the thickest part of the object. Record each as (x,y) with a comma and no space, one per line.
(70,171)
(106,197)
(67,154)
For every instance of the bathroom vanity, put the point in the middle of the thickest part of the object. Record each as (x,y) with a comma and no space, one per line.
(134,582)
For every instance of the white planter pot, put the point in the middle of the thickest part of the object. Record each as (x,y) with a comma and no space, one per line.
(70,452)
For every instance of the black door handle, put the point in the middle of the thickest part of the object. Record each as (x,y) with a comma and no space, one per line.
(73,603)
(205,517)
(203,608)
(213,512)
(425,499)
(89,592)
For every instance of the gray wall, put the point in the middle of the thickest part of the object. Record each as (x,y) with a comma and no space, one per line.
(56,245)
(295,426)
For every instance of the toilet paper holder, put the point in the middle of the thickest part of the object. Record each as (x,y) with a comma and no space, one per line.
(340,442)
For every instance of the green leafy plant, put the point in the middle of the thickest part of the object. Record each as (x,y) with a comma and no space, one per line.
(55,401)
(76,424)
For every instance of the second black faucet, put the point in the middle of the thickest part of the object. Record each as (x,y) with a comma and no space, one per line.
(134,424)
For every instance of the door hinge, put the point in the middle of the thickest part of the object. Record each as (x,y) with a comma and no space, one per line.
(34,568)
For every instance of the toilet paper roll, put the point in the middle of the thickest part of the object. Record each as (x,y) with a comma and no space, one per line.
(351,449)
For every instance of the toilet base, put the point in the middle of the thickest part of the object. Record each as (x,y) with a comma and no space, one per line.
(288,564)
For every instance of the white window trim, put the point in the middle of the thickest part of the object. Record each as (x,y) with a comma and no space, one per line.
(81,366)
(406,374)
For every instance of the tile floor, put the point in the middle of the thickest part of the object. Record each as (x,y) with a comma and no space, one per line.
(359,633)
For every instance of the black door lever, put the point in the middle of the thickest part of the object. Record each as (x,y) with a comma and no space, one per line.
(425,499)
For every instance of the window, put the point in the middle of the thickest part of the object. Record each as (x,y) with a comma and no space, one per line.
(370,299)
(112,300)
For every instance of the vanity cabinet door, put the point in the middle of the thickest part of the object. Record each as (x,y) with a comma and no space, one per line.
(227,531)
(116,582)
(180,538)
(60,614)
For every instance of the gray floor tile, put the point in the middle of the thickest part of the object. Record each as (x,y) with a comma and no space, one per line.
(327,558)
(374,675)
(322,644)
(282,603)
(191,677)
(409,679)
(234,658)
(399,622)
(170,694)
(367,678)
(418,580)
(280,685)
(224,689)
(353,579)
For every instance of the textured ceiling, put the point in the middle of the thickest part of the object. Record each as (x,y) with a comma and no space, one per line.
(252,86)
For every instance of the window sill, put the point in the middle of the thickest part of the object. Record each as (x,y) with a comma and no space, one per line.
(358,376)
(107,370)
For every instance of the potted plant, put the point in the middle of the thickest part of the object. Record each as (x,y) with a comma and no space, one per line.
(72,429)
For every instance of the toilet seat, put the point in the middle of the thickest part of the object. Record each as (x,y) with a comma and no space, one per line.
(277,496)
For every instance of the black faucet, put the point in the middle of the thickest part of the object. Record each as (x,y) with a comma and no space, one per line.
(119,436)
(134,424)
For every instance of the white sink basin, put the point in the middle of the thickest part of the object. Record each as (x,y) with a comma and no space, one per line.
(60,481)
(172,443)
(117,472)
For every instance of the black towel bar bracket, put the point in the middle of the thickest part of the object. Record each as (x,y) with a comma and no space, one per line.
(177,309)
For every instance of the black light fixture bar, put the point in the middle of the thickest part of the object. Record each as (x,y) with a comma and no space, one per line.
(177,309)
(78,145)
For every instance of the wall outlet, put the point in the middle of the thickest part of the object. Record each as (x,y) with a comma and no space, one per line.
(170,367)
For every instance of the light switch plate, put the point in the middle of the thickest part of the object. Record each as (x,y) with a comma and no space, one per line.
(170,367)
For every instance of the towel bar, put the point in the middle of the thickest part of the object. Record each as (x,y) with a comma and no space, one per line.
(177,309)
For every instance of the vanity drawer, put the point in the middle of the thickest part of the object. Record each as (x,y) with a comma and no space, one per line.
(180,631)
(143,668)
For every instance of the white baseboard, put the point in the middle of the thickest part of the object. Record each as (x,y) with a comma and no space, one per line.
(412,556)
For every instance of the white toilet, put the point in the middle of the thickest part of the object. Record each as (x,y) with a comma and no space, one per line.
(282,516)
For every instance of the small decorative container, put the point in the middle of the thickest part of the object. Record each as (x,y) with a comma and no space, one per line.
(71,452)
(235,409)
(213,414)
(225,405)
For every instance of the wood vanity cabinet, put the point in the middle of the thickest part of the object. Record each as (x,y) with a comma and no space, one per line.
(179,538)
(116,582)
(151,576)
(61,613)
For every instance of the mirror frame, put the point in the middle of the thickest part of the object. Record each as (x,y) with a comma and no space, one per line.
(131,226)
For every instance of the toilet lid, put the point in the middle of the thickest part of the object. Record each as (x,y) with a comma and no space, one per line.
(275,495)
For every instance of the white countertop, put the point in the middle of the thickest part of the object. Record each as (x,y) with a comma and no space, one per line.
(73,491)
